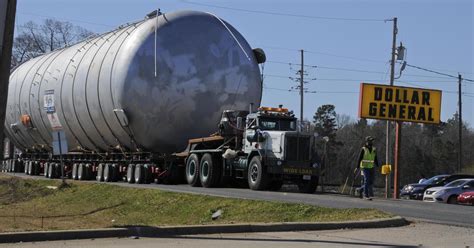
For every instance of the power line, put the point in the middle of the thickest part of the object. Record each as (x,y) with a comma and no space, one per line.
(439,73)
(313,92)
(285,14)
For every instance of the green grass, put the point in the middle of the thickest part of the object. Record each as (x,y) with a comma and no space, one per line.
(27,204)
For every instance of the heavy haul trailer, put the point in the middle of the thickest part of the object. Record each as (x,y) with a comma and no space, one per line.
(264,148)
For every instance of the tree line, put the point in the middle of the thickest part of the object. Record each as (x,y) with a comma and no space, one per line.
(426,150)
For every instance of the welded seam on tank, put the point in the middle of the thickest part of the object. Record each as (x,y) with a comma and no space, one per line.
(19,98)
(12,113)
(57,53)
(129,132)
(98,87)
(86,97)
(46,57)
(96,147)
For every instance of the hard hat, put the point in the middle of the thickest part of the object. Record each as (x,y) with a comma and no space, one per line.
(369,138)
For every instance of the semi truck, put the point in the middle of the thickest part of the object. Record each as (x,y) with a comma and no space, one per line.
(139,103)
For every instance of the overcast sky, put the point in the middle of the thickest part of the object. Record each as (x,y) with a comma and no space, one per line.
(347,42)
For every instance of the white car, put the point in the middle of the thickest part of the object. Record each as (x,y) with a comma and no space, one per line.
(449,192)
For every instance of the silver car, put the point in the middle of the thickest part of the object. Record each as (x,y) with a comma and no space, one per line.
(449,192)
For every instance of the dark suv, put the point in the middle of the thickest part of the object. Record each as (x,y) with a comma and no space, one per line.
(416,190)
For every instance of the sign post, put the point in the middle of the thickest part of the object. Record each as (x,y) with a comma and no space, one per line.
(400,104)
(60,146)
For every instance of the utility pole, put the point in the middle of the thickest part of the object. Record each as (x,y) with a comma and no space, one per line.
(7,27)
(301,87)
(460,122)
(387,132)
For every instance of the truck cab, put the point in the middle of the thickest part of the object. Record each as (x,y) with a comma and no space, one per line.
(266,148)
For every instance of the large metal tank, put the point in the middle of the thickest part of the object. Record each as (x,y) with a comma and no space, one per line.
(203,66)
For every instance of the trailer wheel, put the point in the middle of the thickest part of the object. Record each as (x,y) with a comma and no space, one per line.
(81,172)
(108,173)
(36,168)
(139,174)
(45,169)
(20,165)
(100,172)
(308,186)
(209,171)
(147,175)
(192,170)
(74,171)
(115,172)
(257,176)
(131,173)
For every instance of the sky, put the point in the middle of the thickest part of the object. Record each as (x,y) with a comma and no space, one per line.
(345,42)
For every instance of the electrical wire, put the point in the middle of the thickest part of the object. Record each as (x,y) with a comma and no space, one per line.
(285,14)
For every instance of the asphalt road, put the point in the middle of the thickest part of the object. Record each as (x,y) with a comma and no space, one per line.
(459,215)
(414,235)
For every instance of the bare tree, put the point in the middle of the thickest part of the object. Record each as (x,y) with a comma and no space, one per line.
(36,39)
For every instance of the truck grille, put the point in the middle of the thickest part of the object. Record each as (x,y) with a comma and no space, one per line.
(297,148)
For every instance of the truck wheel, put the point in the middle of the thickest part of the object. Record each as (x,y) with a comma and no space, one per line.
(131,173)
(139,174)
(74,171)
(308,186)
(81,172)
(192,170)
(45,169)
(209,171)
(100,172)
(257,176)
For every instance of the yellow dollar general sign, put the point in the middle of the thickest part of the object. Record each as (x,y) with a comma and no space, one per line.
(399,103)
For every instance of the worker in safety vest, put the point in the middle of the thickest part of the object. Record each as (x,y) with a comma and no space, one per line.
(367,162)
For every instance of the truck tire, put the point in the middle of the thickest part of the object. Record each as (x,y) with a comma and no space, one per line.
(74,171)
(209,174)
(100,172)
(45,170)
(257,176)
(30,168)
(109,173)
(131,173)
(147,175)
(81,172)
(139,174)
(308,186)
(192,170)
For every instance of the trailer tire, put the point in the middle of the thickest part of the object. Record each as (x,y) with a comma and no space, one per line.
(89,172)
(192,170)
(74,171)
(108,173)
(36,168)
(81,172)
(100,172)
(308,186)
(257,176)
(147,173)
(30,168)
(50,170)
(131,173)
(46,168)
(139,174)
(209,174)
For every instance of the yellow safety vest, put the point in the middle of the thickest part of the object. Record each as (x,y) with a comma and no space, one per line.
(368,159)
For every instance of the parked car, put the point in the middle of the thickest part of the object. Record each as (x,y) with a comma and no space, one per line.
(416,190)
(467,198)
(450,192)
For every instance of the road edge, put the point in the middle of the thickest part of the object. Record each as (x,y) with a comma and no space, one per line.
(167,231)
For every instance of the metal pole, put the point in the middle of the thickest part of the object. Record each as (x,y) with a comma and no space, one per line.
(61,158)
(302,87)
(460,122)
(7,27)
(398,125)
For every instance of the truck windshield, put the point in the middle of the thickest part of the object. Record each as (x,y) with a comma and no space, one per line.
(277,124)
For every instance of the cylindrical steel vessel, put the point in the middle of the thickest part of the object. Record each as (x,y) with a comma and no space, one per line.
(203,66)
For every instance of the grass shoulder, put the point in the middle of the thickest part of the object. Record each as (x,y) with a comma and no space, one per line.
(27,204)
